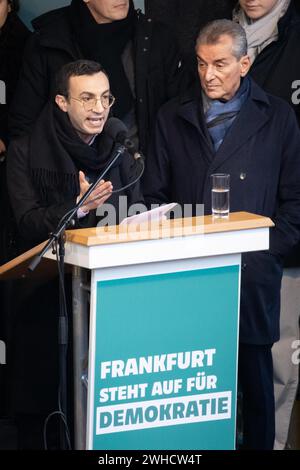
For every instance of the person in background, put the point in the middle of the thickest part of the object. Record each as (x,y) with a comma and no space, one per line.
(228,124)
(186,18)
(273,33)
(139,55)
(13,35)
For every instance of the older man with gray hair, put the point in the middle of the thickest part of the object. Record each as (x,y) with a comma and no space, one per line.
(228,124)
(273,33)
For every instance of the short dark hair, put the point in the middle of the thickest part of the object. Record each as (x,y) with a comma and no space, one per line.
(212,32)
(15,5)
(75,69)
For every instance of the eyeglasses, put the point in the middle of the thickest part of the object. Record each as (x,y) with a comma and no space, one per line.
(89,102)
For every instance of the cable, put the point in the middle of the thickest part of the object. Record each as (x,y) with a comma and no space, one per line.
(62,416)
(63,343)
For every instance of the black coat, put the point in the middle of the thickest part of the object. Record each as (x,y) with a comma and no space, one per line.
(187,17)
(156,64)
(262,154)
(37,215)
(13,36)
(277,70)
(12,40)
(277,67)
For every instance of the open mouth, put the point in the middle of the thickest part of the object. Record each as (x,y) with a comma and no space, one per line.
(95,121)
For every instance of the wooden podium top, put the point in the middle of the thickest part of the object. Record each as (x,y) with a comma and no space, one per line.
(177,227)
(17,268)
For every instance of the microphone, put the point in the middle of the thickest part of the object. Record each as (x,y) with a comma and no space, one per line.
(118,132)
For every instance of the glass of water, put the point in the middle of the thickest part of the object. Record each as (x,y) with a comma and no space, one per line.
(220,195)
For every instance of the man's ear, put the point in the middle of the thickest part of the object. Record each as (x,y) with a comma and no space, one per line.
(61,102)
(245,65)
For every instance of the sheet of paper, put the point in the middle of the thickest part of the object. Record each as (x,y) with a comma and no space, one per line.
(159,213)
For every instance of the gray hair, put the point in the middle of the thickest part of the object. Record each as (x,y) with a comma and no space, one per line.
(212,32)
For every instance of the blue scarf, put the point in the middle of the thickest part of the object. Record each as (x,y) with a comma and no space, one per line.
(220,116)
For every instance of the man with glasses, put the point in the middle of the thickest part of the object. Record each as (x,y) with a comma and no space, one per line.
(48,170)
(65,152)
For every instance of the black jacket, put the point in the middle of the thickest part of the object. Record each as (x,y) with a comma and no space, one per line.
(12,40)
(13,36)
(277,68)
(261,152)
(36,216)
(157,64)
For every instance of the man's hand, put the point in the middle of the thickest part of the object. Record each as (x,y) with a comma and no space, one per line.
(100,194)
(2,147)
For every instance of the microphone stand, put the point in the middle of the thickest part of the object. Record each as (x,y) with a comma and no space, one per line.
(59,236)
(69,216)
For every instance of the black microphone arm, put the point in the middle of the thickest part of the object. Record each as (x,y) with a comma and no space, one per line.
(69,216)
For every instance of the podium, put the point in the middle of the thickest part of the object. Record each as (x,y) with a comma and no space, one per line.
(155,361)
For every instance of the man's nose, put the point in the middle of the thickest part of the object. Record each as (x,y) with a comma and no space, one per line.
(98,106)
(210,73)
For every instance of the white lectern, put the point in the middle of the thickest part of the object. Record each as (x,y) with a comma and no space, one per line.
(155,362)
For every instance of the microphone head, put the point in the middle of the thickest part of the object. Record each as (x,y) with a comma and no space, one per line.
(116,130)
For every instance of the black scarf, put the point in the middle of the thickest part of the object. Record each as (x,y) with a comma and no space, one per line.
(57,153)
(105,43)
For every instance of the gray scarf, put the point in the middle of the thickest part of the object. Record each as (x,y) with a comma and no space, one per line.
(262,32)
